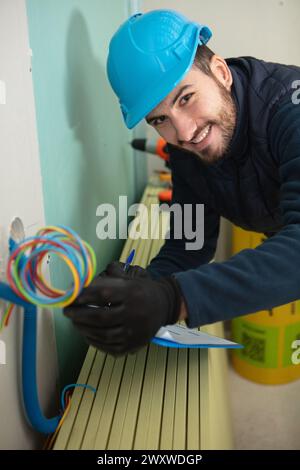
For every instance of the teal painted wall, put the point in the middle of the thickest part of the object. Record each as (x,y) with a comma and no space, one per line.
(84,151)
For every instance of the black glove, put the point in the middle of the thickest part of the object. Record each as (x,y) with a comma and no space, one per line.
(137,309)
(116,269)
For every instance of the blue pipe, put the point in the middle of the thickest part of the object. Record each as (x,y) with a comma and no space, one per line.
(8,294)
(30,395)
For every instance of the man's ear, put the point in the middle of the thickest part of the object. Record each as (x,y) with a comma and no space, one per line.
(221,71)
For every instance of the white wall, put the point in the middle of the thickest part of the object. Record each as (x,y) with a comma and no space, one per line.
(266,29)
(20,195)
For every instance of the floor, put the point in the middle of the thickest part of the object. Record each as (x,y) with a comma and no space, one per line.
(265,416)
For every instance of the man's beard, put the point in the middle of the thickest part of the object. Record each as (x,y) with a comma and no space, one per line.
(226,122)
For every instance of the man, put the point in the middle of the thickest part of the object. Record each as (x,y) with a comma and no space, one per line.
(233,130)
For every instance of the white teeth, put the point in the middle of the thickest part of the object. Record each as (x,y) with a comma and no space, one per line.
(202,135)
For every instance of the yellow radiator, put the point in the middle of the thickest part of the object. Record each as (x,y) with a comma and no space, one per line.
(158,398)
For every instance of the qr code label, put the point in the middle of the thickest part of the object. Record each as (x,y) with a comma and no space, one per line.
(254,348)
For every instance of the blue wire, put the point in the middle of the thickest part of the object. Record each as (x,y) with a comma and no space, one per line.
(74,385)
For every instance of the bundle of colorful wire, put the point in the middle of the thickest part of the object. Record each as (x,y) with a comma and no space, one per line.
(24,269)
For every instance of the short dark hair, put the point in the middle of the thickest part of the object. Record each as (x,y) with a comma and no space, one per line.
(202,59)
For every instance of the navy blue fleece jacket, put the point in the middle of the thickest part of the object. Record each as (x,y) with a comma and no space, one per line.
(256,185)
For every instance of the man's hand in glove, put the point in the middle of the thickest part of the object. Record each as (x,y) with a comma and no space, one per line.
(137,309)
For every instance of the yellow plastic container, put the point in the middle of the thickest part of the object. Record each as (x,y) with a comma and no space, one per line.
(268,337)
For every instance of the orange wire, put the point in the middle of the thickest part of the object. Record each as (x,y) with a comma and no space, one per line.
(53,438)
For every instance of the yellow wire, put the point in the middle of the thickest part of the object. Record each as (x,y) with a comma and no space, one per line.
(40,275)
(76,285)
(5,315)
(63,418)
(54,228)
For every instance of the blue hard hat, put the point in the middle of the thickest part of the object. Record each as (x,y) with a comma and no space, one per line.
(148,56)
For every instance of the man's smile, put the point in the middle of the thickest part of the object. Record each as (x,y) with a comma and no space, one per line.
(202,139)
